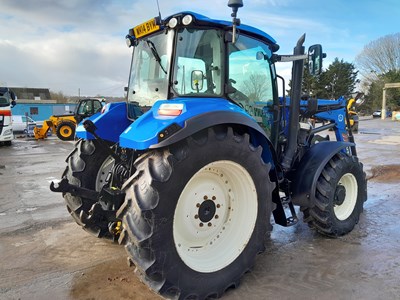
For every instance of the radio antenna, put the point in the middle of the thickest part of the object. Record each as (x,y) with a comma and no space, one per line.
(159,12)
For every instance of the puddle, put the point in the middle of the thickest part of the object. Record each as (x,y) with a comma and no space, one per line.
(366,132)
(110,280)
(387,140)
(27,209)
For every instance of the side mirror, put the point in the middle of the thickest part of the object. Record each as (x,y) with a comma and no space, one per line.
(12,94)
(260,55)
(197,79)
(13,103)
(315,56)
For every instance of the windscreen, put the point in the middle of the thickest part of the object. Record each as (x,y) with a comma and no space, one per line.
(149,70)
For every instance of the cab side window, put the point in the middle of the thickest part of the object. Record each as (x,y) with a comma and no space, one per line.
(251,78)
(96,106)
(86,108)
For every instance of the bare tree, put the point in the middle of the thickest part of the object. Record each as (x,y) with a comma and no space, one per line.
(256,86)
(59,96)
(380,57)
(379,63)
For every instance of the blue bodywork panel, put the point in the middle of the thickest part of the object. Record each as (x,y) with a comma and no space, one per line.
(110,124)
(334,111)
(337,115)
(197,114)
(144,132)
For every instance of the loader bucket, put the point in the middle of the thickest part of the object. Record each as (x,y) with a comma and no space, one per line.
(41,132)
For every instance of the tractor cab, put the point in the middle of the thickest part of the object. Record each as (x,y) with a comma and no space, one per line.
(191,56)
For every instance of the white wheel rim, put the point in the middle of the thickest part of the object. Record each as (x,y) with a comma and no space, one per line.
(105,168)
(210,246)
(343,211)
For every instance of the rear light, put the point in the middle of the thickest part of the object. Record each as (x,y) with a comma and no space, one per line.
(170,109)
(6,113)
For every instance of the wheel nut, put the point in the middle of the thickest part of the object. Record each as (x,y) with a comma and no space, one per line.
(196,216)
(201,224)
(198,205)
(213,197)
(218,205)
(205,197)
(216,216)
(209,224)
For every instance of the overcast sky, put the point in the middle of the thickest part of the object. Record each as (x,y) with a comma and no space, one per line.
(79,45)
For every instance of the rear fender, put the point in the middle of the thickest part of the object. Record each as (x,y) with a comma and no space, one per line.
(153,130)
(110,124)
(309,169)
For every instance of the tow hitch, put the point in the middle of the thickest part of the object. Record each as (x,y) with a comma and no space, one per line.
(65,187)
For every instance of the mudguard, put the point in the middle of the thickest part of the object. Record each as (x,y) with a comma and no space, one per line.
(153,130)
(310,167)
(110,123)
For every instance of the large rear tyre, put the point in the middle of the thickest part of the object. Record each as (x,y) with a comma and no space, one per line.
(196,214)
(88,167)
(65,131)
(340,194)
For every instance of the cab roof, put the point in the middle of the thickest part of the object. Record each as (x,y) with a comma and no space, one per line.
(203,20)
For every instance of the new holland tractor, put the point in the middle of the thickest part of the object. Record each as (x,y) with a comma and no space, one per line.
(189,186)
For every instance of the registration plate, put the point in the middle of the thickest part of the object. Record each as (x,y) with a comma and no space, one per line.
(146,28)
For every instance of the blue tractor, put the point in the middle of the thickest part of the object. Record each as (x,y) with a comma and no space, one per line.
(187,173)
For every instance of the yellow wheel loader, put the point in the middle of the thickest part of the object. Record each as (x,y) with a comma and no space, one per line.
(64,125)
(351,111)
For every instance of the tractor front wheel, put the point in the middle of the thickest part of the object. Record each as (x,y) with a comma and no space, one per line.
(196,214)
(88,167)
(340,194)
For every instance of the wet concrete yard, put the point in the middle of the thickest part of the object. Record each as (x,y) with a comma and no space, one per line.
(45,255)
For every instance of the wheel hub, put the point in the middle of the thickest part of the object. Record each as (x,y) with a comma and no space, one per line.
(207,211)
(340,195)
(215,216)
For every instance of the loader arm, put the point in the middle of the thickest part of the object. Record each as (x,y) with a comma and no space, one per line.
(41,132)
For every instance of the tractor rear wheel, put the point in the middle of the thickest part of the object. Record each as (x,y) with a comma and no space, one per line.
(65,131)
(88,167)
(340,194)
(196,214)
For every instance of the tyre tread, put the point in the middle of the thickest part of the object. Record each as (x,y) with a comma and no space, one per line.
(137,213)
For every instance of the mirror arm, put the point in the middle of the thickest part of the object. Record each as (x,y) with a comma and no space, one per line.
(235,22)
(288,58)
